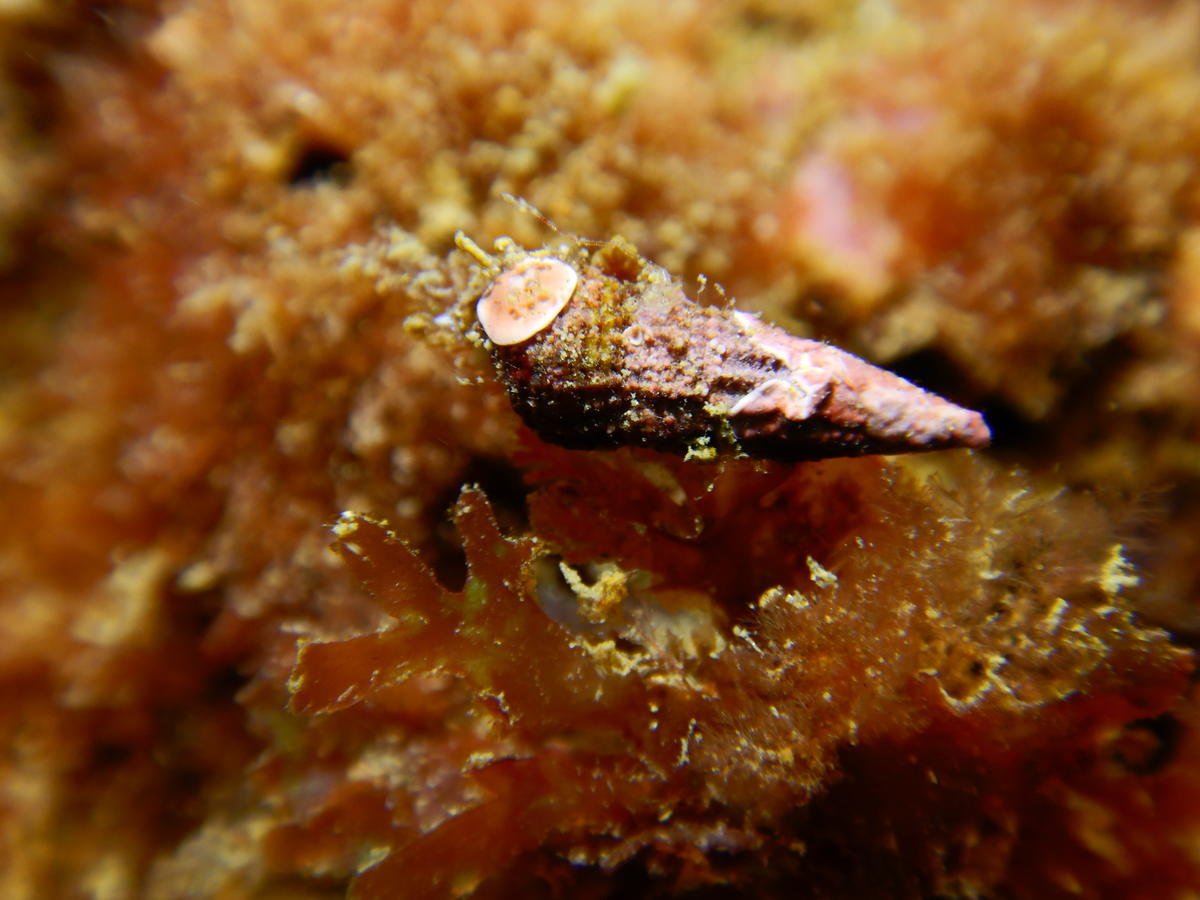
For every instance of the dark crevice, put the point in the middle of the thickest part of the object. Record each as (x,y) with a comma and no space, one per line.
(109,755)
(934,371)
(224,683)
(318,162)
(1086,383)
(1147,746)
(1012,431)
(502,484)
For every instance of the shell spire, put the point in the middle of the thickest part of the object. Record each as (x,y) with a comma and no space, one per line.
(607,351)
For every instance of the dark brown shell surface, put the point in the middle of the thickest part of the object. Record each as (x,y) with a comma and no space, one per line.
(632,361)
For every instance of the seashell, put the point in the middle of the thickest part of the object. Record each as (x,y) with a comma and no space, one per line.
(525,299)
(615,354)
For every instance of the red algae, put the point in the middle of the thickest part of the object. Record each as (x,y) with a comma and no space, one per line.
(639,724)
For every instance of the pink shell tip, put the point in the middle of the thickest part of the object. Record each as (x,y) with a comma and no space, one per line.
(525,299)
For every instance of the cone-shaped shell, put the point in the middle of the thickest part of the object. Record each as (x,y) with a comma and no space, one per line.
(615,354)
